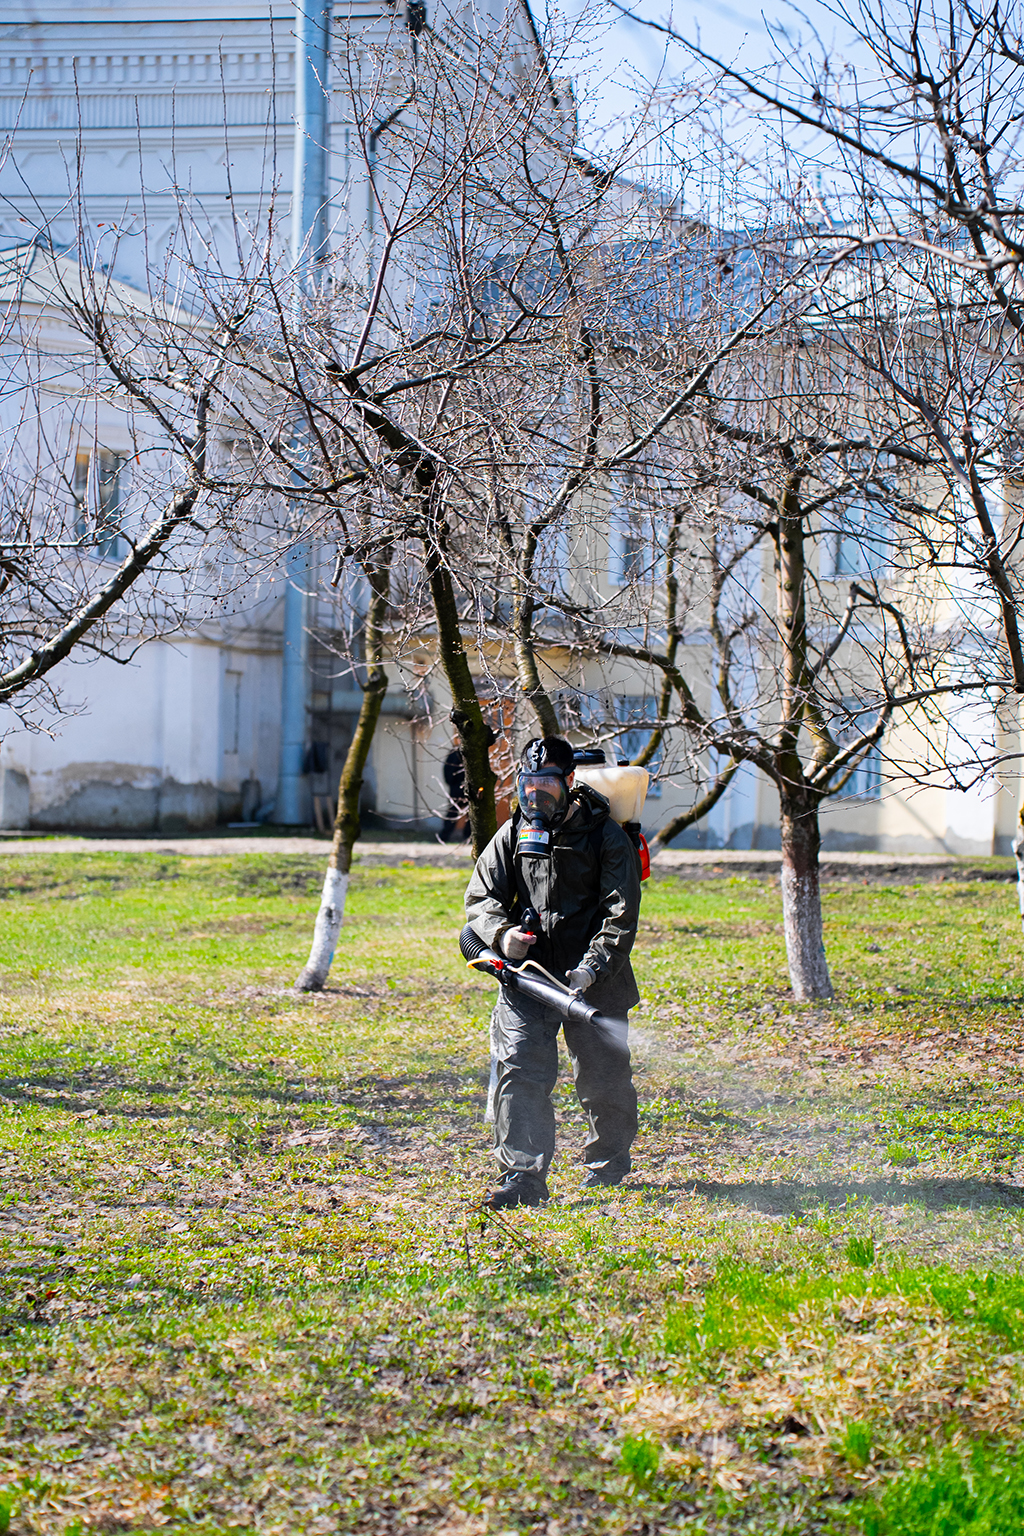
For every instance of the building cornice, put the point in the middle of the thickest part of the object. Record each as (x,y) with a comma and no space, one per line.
(31,18)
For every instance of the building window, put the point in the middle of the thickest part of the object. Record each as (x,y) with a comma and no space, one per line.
(80,491)
(866,781)
(99,500)
(850,722)
(631,710)
(627,548)
(232,711)
(579,711)
(855,540)
(631,550)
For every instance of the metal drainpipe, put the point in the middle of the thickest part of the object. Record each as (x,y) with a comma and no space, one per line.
(309,249)
(309,198)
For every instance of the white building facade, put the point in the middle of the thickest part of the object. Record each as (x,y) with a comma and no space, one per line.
(126,118)
(134,117)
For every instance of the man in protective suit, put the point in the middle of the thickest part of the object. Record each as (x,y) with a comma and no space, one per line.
(585,890)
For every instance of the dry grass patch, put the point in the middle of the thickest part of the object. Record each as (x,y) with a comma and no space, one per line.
(896,1369)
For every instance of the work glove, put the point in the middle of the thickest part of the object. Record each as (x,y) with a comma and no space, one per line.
(515,944)
(580,979)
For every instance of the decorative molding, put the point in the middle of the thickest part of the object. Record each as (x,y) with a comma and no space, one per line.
(44,91)
(71,70)
(184,109)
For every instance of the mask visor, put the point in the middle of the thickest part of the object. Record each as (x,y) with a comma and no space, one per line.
(544,796)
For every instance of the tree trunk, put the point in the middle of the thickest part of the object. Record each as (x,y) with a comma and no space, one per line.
(801,895)
(346,821)
(533,689)
(475,735)
(523,609)
(1018,853)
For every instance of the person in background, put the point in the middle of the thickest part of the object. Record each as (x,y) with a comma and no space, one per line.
(457,809)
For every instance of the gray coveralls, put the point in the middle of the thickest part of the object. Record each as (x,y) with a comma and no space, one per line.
(588,897)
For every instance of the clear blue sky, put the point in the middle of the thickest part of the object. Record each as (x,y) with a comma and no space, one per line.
(621,60)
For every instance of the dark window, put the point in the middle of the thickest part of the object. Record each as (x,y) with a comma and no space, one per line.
(99,496)
(632,710)
(856,540)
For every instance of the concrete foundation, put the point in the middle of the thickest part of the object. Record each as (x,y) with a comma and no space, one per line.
(114,801)
(14,800)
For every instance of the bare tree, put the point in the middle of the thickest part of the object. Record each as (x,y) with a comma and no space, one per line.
(377,571)
(101,546)
(530,327)
(476,393)
(900,159)
(828,522)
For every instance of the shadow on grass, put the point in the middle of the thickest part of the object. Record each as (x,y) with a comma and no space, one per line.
(788,1199)
(403,1098)
(965,1003)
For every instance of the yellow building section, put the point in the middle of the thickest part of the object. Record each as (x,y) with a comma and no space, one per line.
(889,807)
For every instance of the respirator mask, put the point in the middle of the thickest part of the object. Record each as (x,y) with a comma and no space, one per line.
(543,798)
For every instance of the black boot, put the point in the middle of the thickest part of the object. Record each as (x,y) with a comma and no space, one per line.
(608,1174)
(516,1189)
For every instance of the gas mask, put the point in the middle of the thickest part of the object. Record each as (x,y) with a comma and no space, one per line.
(543,798)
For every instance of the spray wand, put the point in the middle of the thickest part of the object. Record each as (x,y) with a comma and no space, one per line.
(542,987)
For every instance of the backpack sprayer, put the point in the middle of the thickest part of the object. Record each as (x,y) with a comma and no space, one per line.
(625,788)
(544,802)
(542,987)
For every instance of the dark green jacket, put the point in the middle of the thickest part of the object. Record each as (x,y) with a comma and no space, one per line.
(587,895)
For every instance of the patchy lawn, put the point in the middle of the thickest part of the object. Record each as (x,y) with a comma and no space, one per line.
(242,1286)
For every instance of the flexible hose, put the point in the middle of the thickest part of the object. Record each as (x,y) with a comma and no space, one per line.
(535,965)
(517,970)
(474,949)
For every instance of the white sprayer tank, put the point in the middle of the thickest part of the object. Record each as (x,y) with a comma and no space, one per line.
(625,789)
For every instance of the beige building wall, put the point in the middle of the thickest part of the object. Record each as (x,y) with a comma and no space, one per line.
(406,786)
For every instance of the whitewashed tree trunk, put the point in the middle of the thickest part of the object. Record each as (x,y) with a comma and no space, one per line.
(325,932)
(347,821)
(801,898)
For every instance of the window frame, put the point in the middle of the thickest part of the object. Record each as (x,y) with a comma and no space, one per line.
(631,710)
(865,782)
(98,492)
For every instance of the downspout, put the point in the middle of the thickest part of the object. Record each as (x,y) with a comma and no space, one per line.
(309,250)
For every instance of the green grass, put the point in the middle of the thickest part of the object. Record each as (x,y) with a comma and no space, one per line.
(855,1444)
(638,1458)
(861,1251)
(242,1286)
(978,1494)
